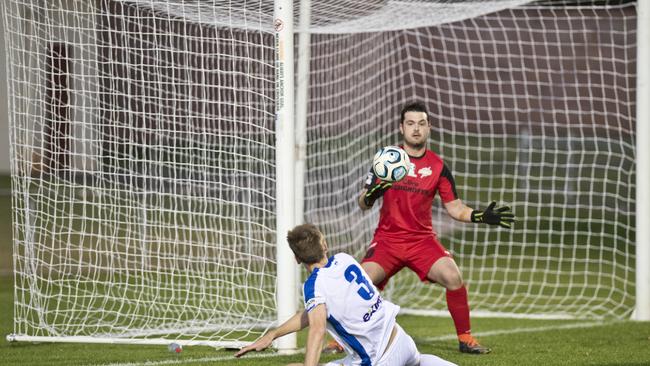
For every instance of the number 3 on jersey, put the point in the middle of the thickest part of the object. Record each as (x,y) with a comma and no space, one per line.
(353,273)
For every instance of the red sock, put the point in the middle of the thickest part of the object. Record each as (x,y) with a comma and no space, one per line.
(459,309)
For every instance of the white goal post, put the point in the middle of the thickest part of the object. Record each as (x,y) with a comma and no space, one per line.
(642,308)
(161,149)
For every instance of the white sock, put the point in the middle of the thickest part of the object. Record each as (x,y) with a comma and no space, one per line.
(431,360)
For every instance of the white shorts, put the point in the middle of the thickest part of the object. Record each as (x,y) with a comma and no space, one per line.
(401,352)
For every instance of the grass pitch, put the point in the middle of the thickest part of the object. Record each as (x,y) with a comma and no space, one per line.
(514,342)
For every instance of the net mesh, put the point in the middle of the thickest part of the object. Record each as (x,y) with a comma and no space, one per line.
(532,107)
(143,158)
(143,173)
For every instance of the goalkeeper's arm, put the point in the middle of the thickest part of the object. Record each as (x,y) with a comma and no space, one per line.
(501,216)
(374,188)
(459,211)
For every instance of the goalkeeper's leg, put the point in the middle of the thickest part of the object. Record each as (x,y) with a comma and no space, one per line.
(446,272)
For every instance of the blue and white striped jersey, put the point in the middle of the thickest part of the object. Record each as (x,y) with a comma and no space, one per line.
(357,317)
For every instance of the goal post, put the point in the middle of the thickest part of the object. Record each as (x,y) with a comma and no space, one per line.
(285,177)
(642,308)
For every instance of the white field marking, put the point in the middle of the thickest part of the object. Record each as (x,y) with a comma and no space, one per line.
(521,330)
(183,361)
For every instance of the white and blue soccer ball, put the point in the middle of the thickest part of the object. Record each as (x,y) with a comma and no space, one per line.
(391,164)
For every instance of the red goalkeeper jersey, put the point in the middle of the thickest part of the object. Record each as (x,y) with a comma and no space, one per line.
(406,209)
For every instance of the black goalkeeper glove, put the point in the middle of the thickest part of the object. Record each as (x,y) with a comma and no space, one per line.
(375,191)
(502,216)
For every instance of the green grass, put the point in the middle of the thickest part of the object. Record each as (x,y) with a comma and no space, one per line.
(514,341)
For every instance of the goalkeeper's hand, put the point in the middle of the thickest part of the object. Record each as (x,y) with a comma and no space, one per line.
(501,216)
(375,191)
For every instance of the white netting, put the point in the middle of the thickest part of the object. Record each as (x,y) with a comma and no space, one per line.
(143,154)
(533,107)
(340,16)
(382,16)
(143,172)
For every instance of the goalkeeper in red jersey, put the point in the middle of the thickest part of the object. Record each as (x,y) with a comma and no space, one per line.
(405,237)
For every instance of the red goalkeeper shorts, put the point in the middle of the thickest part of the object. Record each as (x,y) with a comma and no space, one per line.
(419,256)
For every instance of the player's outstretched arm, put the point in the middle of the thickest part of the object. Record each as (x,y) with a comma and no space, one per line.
(294,324)
(372,190)
(259,345)
(493,215)
(317,320)
(458,210)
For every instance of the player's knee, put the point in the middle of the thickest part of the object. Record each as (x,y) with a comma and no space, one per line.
(452,281)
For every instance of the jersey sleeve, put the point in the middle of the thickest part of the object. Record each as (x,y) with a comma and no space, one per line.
(311,294)
(447,185)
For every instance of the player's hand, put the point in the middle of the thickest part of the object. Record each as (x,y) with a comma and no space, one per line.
(259,345)
(501,216)
(375,191)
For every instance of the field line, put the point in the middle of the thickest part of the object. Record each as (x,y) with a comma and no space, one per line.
(181,360)
(520,330)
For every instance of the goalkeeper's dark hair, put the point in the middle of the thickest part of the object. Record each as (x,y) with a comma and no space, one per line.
(413,107)
(305,242)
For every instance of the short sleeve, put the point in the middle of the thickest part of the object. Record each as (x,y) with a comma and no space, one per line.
(312,296)
(447,185)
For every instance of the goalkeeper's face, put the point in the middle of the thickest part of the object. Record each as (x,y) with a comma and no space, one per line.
(415,128)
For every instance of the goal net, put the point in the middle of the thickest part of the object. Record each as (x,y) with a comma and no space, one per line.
(143,170)
(143,155)
(532,106)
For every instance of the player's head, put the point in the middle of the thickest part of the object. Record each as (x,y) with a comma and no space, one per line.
(307,243)
(414,125)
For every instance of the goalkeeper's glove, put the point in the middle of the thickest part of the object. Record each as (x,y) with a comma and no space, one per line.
(501,216)
(375,191)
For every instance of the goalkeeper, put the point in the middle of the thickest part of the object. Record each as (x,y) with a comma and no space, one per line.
(405,237)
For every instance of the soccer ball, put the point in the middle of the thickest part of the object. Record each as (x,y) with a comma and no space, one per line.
(391,164)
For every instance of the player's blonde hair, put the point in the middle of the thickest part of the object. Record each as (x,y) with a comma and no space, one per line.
(305,242)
